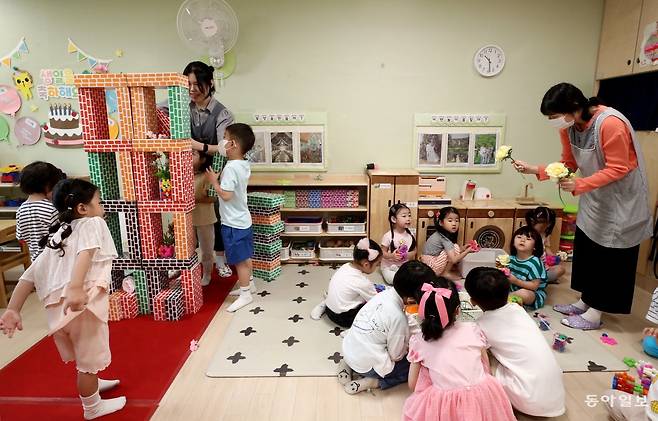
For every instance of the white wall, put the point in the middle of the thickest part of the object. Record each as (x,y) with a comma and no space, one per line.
(370,64)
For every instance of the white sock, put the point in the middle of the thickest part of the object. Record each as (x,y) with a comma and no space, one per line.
(592,315)
(252,289)
(244,299)
(318,311)
(105,385)
(581,304)
(361,385)
(95,407)
(220,260)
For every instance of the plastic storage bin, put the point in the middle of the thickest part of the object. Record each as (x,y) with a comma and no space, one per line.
(302,250)
(345,253)
(285,251)
(346,224)
(485,257)
(303,224)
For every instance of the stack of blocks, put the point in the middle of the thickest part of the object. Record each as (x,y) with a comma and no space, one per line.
(133,189)
(265,211)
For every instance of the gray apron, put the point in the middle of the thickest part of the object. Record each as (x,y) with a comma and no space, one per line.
(206,132)
(616,215)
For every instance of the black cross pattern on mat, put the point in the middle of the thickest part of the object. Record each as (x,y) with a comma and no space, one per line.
(296,318)
(334,266)
(302,264)
(236,357)
(302,284)
(256,310)
(336,357)
(248,331)
(290,341)
(283,370)
(303,272)
(336,331)
(299,300)
(263,293)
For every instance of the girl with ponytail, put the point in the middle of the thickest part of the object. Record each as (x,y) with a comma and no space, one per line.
(398,244)
(449,373)
(72,278)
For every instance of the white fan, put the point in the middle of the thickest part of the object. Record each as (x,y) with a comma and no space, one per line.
(208,26)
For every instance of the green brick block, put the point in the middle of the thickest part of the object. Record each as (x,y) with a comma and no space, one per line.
(267,275)
(265,200)
(268,229)
(103,173)
(218,164)
(142,292)
(112,220)
(289,197)
(270,248)
(179,112)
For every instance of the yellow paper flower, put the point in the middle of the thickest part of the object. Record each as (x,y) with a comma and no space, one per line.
(557,171)
(503,259)
(503,153)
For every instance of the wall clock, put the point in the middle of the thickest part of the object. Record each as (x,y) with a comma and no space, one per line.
(489,60)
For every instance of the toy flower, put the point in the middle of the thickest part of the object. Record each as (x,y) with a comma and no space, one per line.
(502,260)
(504,152)
(506,271)
(557,171)
(562,255)
(475,247)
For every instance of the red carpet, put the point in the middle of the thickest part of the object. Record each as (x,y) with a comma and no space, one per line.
(146,357)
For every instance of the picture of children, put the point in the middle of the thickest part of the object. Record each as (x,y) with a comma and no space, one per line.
(310,148)
(485,145)
(458,148)
(429,150)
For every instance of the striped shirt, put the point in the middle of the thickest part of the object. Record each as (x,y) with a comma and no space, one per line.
(32,222)
(529,270)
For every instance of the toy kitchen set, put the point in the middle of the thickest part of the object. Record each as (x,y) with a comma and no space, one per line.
(489,221)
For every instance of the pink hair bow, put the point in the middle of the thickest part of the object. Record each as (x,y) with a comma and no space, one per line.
(441,293)
(364,244)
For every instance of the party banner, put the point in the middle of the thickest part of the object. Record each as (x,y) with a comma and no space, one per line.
(98,64)
(21,48)
(56,83)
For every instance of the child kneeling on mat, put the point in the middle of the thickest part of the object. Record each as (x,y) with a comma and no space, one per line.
(376,345)
(349,289)
(72,278)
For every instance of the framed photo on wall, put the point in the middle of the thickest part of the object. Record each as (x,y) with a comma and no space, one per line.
(290,142)
(464,143)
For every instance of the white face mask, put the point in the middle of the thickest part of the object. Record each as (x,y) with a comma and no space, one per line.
(560,123)
(222,147)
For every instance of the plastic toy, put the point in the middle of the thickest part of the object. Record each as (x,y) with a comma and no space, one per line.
(552,260)
(627,383)
(560,342)
(403,250)
(544,325)
(379,287)
(475,247)
(10,174)
(607,339)
(650,346)
(515,299)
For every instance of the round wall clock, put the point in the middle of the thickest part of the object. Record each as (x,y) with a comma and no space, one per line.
(489,60)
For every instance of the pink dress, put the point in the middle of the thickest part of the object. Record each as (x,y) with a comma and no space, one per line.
(454,381)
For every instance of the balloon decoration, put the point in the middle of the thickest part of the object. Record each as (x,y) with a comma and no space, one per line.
(10,101)
(4,129)
(27,131)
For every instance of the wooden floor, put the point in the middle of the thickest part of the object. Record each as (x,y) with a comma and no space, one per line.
(192,395)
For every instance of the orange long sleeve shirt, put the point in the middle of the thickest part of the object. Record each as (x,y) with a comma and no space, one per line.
(618,152)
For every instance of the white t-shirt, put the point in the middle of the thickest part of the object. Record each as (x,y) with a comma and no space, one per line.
(348,288)
(398,240)
(235,178)
(528,370)
(379,335)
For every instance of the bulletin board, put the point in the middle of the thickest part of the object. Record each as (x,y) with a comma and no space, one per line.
(287,141)
(457,143)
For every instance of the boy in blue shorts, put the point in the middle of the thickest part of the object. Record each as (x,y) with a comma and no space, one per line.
(236,219)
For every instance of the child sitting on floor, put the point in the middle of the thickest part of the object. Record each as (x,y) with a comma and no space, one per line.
(449,373)
(527,273)
(542,219)
(523,362)
(376,345)
(440,252)
(398,244)
(349,289)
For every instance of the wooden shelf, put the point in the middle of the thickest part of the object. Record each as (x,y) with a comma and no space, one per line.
(8,209)
(323,234)
(293,261)
(359,209)
(9,185)
(307,180)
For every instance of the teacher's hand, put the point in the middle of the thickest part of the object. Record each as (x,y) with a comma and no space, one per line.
(568,185)
(525,168)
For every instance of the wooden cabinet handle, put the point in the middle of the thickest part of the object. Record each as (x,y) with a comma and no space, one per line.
(491,214)
(389,203)
(628,62)
(471,224)
(430,214)
(637,60)
(423,225)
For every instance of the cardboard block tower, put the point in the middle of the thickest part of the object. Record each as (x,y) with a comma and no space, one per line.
(131,187)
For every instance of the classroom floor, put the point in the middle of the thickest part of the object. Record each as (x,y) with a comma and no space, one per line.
(192,395)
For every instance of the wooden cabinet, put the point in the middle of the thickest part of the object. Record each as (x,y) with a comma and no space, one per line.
(619,34)
(426,226)
(491,228)
(386,189)
(622,36)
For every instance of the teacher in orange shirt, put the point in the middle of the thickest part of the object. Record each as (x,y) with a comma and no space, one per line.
(613,216)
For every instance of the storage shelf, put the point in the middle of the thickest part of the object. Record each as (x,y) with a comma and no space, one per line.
(359,209)
(323,234)
(292,260)
(8,209)
(307,180)
(9,185)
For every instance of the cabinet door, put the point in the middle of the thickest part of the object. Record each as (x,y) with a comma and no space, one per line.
(421,234)
(619,34)
(555,235)
(406,191)
(490,232)
(382,191)
(649,16)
